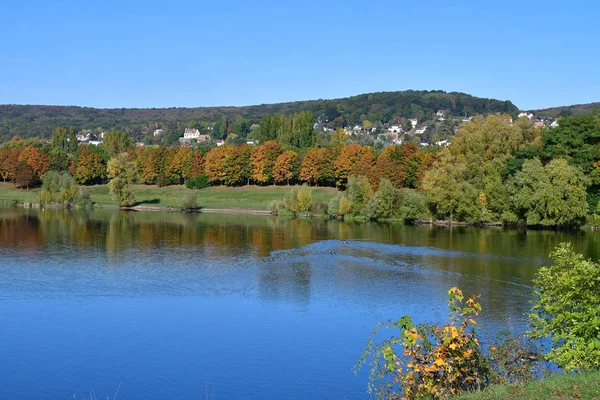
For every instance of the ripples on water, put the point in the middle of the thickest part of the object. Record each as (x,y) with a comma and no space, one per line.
(247,307)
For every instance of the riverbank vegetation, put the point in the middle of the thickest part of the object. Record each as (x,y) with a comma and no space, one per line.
(497,170)
(442,361)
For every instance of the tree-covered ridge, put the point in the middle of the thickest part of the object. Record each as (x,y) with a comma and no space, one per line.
(575,109)
(39,120)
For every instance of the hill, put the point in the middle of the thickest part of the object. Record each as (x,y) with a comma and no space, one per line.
(40,120)
(575,109)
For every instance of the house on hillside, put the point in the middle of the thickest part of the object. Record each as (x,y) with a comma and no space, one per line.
(158,132)
(526,115)
(395,129)
(421,130)
(219,142)
(443,143)
(440,115)
(413,122)
(554,124)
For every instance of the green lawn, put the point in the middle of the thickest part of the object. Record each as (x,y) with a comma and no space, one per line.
(245,197)
(579,386)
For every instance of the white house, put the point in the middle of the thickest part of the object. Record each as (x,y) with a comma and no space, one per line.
(158,132)
(421,130)
(554,124)
(395,129)
(443,143)
(524,114)
(413,122)
(220,142)
(191,133)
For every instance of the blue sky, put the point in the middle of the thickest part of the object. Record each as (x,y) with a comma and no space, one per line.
(124,53)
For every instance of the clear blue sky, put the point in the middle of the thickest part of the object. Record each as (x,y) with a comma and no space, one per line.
(124,53)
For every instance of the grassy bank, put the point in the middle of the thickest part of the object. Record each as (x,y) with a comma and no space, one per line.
(244,197)
(579,386)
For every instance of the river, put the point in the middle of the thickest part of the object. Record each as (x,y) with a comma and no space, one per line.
(197,306)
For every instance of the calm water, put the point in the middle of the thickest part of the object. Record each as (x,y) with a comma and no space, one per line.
(173,306)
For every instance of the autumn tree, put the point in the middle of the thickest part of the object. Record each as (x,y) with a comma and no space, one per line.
(24,176)
(263,161)
(214,163)
(90,165)
(8,161)
(177,165)
(348,157)
(38,160)
(317,167)
(196,165)
(286,166)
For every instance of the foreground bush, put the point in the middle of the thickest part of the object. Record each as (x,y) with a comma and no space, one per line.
(433,361)
(567,309)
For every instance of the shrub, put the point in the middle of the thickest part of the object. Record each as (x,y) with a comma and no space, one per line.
(345,206)
(383,203)
(299,199)
(122,173)
(413,206)
(199,182)
(61,188)
(319,208)
(434,361)
(189,201)
(359,192)
(333,207)
(567,309)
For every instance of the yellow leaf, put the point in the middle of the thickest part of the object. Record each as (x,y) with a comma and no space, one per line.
(439,362)
(453,346)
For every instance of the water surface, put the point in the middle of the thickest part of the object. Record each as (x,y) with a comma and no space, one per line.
(190,306)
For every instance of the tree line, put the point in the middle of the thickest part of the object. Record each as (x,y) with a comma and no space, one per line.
(495,170)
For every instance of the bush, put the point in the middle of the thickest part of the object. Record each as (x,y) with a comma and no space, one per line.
(383,204)
(61,188)
(413,206)
(333,207)
(199,182)
(567,309)
(189,201)
(319,208)
(359,192)
(434,361)
(299,199)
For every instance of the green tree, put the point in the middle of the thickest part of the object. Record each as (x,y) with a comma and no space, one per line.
(359,193)
(122,173)
(384,202)
(549,195)
(117,142)
(567,309)
(60,188)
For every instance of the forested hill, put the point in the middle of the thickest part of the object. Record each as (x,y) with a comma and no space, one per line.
(576,109)
(38,120)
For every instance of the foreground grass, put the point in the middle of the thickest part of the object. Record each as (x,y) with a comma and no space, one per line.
(245,197)
(585,385)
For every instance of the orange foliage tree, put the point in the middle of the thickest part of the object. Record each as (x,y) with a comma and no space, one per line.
(8,161)
(263,161)
(38,160)
(365,166)
(229,165)
(285,167)
(196,165)
(317,167)
(348,156)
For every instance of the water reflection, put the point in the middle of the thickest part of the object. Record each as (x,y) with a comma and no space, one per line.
(199,289)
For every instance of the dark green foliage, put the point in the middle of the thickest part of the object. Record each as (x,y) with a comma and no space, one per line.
(199,182)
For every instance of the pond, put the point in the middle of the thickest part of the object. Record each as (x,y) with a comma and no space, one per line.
(197,306)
